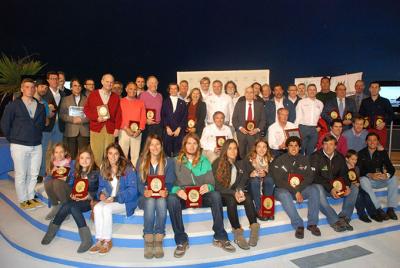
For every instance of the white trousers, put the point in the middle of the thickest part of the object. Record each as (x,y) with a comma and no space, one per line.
(126,142)
(103,218)
(27,160)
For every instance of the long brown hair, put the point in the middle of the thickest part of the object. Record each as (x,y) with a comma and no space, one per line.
(253,153)
(92,166)
(123,162)
(145,158)
(183,151)
(191,93)
(50,160)
(223,174)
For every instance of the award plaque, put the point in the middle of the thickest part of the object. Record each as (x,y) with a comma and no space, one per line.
(293,132)
(339,185)
(60,172)
(295,180)
(352,174)
(348,116)
(220,141)
(379,119)
(191,123)
(250,125)
(366,122)
(151,114)
(134,125)
(76,111)
(156,183)
(194,198)
(103,112)
(80,188)
(267,206)
(334,114)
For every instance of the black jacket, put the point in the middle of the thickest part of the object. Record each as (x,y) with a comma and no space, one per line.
(50,100)
(379,161)
(241,178)
(285,164)
(19,128)
(325,169)
(201,113)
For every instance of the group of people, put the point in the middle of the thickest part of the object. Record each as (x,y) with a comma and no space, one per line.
(233,150)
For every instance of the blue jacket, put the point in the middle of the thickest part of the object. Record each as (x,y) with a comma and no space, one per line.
(127,190)
(93,178)
(270,111)
(19,128)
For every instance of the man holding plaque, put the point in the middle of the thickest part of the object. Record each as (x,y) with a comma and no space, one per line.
(341,107)
(102,108)
(76,134)
(379,111)
(276,132)
(331,178)
(248,119)
(213,136)
(293,180)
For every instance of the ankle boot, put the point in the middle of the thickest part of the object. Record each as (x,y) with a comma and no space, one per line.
(148,246)
(239,239)
(254,234)
(86,238)
(158,246)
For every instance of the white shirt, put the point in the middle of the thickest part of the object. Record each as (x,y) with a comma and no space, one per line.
(247,109)
(308,112)
(222,103)
(174,100)
(56,95)
(104,96)
(114,184)
(278,105)
(233,175)
(208,139)
(77,99)
(277,135)
(205,95)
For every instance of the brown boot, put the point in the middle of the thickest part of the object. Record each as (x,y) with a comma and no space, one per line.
(254,234)
(239,239)
(158,246)
(148,246)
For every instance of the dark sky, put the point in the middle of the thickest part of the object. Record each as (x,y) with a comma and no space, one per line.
(291,38)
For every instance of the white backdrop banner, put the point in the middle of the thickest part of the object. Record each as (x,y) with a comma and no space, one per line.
(242,78)
(348,79)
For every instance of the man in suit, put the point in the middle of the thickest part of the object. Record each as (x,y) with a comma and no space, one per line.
(360,94)
(76,134)
(53,132)
(278,101)
(244,113)
(341,107)
(61,83)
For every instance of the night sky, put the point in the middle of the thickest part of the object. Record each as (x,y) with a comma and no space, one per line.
(126,38)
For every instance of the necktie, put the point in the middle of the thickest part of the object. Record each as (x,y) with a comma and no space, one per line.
(341,108)
(249,113)
(358,100)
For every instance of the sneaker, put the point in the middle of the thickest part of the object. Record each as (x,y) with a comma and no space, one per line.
(36,203)
(26,205)
(314,230)
(382,214)
(391,213)
(105,248)
(225,245)
(181,250)
(299,234)
(96,247)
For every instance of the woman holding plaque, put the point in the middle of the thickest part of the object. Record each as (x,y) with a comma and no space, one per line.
(194,187)
(174,120)
(117,193)
(156,176)
(85,183)
(57,182)
(131,123)
(230,181)
(197,112)
(257,166)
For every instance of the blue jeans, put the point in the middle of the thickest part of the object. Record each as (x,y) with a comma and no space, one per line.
(368,185)
(286,198)
(75,208)
(255,189)
(210,199)
(309,136)
(53,136)
(155,214)
(347,206)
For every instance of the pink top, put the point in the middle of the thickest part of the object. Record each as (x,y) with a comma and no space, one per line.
(152,102)
(132,110)
(66,162)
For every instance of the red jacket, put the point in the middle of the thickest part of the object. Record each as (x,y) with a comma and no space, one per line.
(90,111)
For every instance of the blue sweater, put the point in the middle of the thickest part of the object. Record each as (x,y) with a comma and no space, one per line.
(354,142)
(127,190)
(19,128)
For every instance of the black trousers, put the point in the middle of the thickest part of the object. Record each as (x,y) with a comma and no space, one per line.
(363,203)
(231,204)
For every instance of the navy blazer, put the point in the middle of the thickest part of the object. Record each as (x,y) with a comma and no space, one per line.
(330,105)
(270,111)
(174,119)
